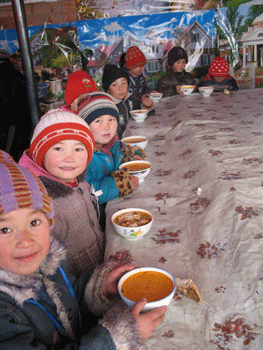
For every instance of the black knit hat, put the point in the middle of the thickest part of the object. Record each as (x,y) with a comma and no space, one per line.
(175,54)
(110,74)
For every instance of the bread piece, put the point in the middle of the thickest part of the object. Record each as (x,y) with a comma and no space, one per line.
(188,289)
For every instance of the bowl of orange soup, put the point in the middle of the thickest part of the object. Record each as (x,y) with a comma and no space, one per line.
(139,168)
(156,285)
(132,223)
(138,140)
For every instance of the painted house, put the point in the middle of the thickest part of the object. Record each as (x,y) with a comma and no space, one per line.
(252,41)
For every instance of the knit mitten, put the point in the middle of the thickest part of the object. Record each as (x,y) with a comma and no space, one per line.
(129,152)
(123,182)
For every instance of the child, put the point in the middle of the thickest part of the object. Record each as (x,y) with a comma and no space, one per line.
(41,304)
(60,150)
(176,75)
(134,66)
(102,115)
(78,85)
(115,81)
(218,76)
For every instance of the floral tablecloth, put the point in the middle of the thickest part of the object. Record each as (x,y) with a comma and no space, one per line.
(205,190)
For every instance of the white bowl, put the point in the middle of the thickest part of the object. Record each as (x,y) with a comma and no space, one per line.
(206,91)
(187,89)
(139,115)
(138,140)
(165,301)
(142,171)
(132,232)
(155,96)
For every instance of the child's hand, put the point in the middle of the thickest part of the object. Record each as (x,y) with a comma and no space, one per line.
(148,321)
(146,101)
(138,157)
(135,181)
(112,278)
(179,90)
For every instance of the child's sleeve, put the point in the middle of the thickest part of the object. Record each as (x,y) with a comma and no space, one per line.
(130,152)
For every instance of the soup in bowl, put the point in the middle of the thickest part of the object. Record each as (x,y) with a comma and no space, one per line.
(132,141)
(132,223)
(187,89)
(156,285)
(139,168)
(139,115)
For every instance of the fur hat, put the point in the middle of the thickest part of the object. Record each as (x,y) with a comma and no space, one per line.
(55,126)
(20,189)
(175,54)
(134,57)
(110,74)
(95,105)
(219,67)
(78,83)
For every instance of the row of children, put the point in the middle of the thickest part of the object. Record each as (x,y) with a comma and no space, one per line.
(42,305)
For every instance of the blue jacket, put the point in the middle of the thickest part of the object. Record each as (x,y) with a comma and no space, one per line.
(100,169)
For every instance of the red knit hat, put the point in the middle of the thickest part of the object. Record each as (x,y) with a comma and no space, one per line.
(134,57)
(55,126)
(219,67)
(78,83)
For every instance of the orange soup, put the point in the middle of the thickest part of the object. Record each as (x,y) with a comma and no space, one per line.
(134,140)
(133,219)
(137,166)
(151,285)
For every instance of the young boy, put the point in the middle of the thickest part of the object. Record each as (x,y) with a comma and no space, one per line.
(78,85)
(134,66)
(60,150)
(115,81)
(41,304)
(218,76)
(170,83)
(102,115)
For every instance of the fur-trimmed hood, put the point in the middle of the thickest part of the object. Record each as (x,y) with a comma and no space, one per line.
(23,287)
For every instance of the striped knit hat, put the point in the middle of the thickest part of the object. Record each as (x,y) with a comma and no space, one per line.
(134,57)
(20,189)
(78,83)
(219,67)
(97,104)
(55,126)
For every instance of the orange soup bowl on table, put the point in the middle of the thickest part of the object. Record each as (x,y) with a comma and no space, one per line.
(139,168)
(138,140)
(156,285)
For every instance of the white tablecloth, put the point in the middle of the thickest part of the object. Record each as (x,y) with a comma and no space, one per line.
(205,190)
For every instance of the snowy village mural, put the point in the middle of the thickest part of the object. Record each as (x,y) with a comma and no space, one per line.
(234,33)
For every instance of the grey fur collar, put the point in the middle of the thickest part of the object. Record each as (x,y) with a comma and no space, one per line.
(23,287)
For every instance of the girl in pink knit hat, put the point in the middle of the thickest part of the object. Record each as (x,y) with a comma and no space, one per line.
(218,76)
(60,150)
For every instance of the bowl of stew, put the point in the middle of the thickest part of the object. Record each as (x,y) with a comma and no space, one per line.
(156,285)
(139,115)
(139,168)
(132,223)
(138,140)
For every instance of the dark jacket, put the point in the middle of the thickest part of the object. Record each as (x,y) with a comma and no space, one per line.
(51,310)
(167,84)
(124,107)
(228,83)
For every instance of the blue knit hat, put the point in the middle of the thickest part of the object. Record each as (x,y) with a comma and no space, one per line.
(95,105)
(20,189)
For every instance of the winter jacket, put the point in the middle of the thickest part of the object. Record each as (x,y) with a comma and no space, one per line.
(137,85)
(167,84)
(51,310)
(228,83)
(125,106)
(76,219)
(103,173)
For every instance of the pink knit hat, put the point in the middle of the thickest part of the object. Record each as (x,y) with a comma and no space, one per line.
(78,83)
(219,67)
(55,126)
(134,57)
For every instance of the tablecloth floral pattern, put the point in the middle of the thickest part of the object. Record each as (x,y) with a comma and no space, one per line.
(205,190)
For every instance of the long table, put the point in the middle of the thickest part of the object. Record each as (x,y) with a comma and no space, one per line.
(205,190)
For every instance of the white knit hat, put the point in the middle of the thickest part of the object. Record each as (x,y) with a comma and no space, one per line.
(55,126)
